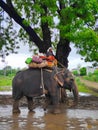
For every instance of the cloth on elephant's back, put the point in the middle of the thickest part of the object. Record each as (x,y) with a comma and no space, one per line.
(35,65)
(41,61)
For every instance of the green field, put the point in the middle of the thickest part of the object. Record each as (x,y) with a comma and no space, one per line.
(84,89)
(5,83)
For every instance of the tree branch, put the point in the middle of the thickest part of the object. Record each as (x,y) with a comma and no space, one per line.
(10,10)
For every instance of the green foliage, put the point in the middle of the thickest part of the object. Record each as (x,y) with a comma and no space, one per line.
(76,20)
(83,71)
(26,23)
(8,71)
(88,46)
(5,88)
(92,76)
(5,80)
(84,89)
(75,72)
(96,72)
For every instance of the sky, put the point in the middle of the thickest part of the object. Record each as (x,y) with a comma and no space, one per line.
(18,60)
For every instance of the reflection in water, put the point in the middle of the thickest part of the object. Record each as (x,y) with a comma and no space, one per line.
(70,119)
(83,113)
(10,93)
(5,92)
(39,112)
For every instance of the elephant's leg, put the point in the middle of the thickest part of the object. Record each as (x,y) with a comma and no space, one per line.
(63,95)
(30,103)
(16,106)
(56,108)
(75,93)
(48,101)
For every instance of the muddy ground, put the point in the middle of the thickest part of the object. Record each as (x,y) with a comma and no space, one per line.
(86,101)
(82,117)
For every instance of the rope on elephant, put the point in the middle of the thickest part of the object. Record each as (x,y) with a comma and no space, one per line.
(42,83)
(61,64)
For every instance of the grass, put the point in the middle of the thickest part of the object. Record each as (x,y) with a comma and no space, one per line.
(5,83)
(84,89)
(93,78)
(5,88)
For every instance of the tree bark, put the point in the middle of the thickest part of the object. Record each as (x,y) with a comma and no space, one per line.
(63,50)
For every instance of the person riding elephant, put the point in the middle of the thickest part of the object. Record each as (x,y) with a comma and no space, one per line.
(50,52)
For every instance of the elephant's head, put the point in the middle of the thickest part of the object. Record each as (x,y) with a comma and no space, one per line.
(65,78)
(68,80)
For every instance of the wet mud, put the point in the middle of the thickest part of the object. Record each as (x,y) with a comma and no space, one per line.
(82,117)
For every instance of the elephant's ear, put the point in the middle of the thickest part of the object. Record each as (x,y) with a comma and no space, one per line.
(59,78)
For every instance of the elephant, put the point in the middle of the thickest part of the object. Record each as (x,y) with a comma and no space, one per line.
(33,82)
(69,84)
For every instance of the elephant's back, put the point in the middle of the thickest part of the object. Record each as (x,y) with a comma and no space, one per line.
(29,75)
(32,72)
(27,82)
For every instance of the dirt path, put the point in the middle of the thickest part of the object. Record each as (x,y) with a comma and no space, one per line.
(90,84)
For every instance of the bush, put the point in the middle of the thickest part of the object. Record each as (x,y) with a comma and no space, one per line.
(92,76)
(75,72)
(96,72)
(83,71)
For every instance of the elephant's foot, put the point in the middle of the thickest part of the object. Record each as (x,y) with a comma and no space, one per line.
(16,111)
(31,107)
(75,103)
(45,105)
(56,110)
(16,106)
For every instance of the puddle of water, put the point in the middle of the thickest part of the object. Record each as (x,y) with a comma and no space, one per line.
(5,92)
(79,113)
(70,119)
(84,94)
(39,112)
(10,93)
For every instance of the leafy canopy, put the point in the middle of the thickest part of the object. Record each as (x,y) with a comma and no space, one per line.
(73,20)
